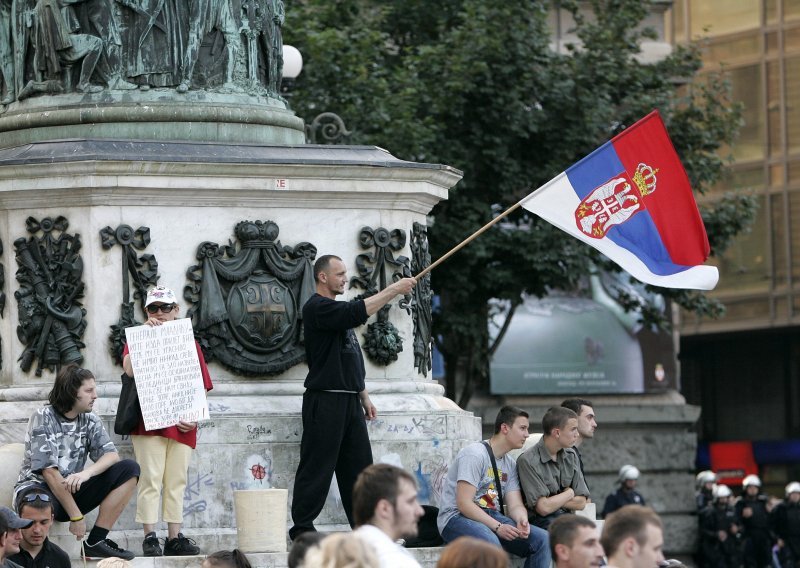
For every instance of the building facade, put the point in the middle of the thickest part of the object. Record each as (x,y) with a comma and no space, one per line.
(742,369)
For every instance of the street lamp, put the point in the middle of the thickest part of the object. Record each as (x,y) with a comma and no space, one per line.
(326,128)
(292,65)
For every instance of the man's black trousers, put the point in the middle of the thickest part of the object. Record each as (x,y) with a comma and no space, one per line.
(334,439)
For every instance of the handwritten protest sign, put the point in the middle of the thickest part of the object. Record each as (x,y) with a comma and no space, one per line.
(167,373)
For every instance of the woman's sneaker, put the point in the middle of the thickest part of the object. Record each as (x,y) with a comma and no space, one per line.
(105,548)
(180,546)
(151,546)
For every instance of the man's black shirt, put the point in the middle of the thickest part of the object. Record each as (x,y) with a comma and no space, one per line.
(332,350)
(51,556)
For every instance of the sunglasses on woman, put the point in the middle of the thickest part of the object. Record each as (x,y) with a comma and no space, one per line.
(165,308)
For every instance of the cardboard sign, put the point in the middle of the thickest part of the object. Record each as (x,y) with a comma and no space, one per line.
(167,374)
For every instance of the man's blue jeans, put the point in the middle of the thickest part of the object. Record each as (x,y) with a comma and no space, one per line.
(536,549)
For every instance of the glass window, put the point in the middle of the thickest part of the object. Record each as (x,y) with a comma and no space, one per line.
(772,43)
(678,19)
(781,304)
(792,79)
(791,9)
(774,111)
(746,82)
(791,40)
(771,11)
(750,178)
(780,260)
(776,175)
(756,308)
(733,50)
(794,220)
(715,17)
(744,266)
(794,174)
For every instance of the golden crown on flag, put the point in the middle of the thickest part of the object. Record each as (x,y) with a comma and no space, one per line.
(645,179)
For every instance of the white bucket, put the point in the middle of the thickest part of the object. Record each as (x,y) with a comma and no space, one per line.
(10,463)
(261,519)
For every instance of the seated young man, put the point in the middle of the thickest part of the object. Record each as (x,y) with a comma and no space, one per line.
(36,550)
(470,504)
(61,437)
(550,472)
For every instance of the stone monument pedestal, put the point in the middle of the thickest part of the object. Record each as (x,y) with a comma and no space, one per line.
(190,192)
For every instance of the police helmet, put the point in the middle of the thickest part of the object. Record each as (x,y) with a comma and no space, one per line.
(721,491)
(751,480)
(627,472)
(793,487)
(706,476)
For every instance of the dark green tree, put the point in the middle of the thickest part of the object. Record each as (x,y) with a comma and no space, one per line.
(475,85)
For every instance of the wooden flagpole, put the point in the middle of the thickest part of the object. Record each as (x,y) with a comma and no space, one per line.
(468,240)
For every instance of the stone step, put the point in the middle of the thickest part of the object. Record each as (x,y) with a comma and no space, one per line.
(427,557)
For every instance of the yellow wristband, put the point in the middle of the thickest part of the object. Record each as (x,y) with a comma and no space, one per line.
(76,519)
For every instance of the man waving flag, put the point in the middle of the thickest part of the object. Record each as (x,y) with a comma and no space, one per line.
(631,200)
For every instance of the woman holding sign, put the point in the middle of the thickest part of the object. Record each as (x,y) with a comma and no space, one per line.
(164,454)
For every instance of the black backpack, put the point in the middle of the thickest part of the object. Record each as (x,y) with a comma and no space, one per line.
(428,533)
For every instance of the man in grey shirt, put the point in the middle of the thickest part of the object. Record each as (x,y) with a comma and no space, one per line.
(550,471)
(471,499)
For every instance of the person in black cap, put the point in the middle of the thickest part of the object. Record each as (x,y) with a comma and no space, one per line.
(13,535)
(3,537)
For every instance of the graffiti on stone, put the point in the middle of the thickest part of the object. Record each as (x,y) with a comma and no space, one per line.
(258,471)
(256,432)
(431,473)
(192,501)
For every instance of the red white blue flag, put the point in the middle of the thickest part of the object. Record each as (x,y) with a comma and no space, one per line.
(631,200)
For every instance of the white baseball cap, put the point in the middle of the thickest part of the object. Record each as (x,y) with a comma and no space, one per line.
(160,294)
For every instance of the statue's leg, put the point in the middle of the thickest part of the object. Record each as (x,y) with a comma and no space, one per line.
(88,48)
(6,60)
(114,58)
(232,45)
(190,58)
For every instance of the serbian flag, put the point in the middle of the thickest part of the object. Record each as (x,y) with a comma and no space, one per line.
(631,200)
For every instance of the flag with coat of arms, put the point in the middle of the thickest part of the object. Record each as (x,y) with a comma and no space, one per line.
(631,200)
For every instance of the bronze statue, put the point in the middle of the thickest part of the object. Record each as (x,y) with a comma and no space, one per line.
(206,16)
(6,54)
(154,41)
(272,41)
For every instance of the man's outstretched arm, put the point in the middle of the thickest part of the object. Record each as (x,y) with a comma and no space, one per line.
(377,301)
